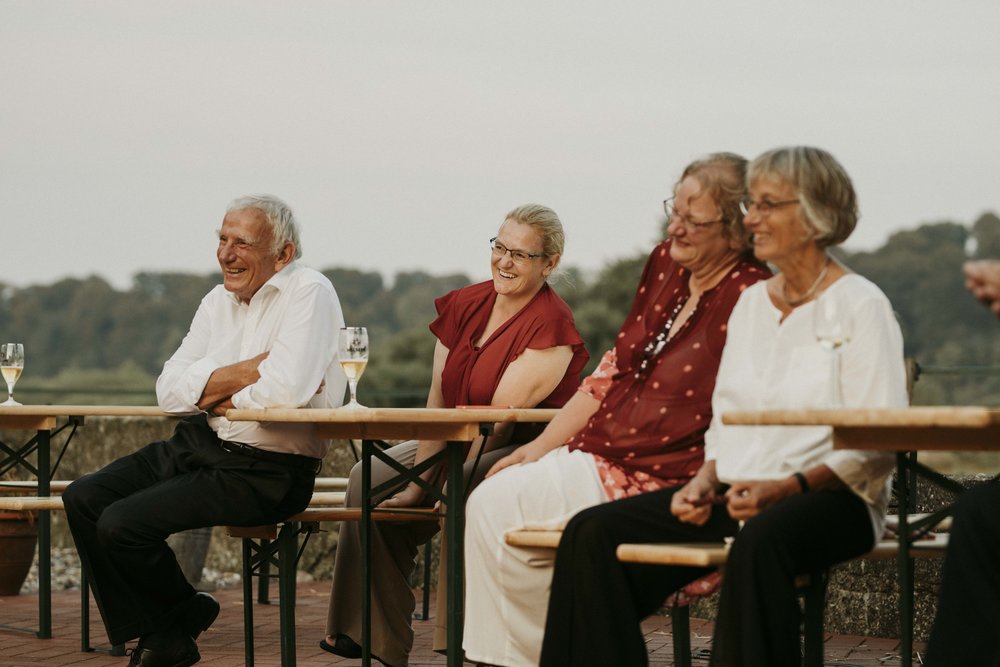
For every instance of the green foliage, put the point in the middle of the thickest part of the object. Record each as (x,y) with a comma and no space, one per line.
(127,384)
(600,309)
(82,336)
(943,326)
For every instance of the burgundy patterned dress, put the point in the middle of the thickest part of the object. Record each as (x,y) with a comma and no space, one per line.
(656,405)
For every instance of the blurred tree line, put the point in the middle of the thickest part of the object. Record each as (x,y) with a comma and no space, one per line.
(87,342)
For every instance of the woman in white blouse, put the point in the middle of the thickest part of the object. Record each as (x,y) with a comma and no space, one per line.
(802,506)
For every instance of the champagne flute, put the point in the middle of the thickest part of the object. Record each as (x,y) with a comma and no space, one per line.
(828,325)
(11,365)
(352,352)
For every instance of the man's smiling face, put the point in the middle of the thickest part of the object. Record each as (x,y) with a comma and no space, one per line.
(245,254)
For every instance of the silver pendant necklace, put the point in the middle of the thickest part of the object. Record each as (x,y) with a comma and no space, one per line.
(809,292)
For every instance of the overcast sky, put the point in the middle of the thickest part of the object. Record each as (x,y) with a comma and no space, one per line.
(402,132)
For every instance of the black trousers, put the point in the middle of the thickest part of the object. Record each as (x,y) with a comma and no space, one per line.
(597,602)
(121,515)
(759,613)
(966,629)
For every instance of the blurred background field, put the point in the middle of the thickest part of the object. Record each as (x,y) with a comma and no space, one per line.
(89,343)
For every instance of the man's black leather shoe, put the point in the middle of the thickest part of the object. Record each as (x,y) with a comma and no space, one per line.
(158,651)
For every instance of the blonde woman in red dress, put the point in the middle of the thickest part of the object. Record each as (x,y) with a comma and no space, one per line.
(507,341)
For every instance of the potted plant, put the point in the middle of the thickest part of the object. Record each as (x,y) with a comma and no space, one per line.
(18,538)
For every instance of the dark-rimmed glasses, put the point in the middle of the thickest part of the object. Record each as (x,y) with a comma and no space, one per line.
(764,207)
(689,224)
(519,256)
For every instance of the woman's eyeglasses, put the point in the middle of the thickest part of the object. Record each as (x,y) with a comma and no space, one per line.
(519,256)
(764,207)
(689,224)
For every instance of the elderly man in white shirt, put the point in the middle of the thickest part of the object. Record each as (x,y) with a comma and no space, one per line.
(266,337)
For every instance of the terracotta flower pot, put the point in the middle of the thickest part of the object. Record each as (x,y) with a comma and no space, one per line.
(18,537)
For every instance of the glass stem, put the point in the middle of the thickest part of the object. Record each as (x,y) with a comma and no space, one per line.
(354,390)
(835,378)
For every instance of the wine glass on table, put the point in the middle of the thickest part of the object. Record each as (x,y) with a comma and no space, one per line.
(831,333)
(352,352)
(11,365)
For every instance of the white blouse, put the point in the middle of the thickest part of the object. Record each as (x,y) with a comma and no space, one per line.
(770,364)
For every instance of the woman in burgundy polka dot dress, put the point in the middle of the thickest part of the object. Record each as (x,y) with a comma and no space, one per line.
(636,425)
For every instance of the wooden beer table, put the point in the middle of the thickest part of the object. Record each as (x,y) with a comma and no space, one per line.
(42,419)
(457,427)
(904,431)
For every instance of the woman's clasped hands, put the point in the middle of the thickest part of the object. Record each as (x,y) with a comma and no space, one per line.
(743,500)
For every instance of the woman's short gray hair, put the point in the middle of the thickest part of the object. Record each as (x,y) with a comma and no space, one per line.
(278,215)
(722,177)
(546,223)
(824,190)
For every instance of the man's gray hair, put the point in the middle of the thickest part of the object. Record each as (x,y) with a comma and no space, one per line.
(278,215)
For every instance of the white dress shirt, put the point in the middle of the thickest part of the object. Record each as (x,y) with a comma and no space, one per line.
(296,317)
(770,364)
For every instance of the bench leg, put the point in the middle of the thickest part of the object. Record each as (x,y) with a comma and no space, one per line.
(287,561)
(425,612)
(264,574)
(247,603)
(814,595)
(85,613)
(680,628)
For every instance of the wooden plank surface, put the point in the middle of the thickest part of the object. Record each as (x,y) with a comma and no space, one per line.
(917,438)
(81,411)
(27,422)
(462,432)
(945,428)
(711,554)
(544,539)
(55,486)
(327,499)
(964,417)
(22,503)
(455,424)
(392,415)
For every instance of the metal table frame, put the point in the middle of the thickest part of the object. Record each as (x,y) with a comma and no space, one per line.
(18,456)
(43,420)
(457,427)
(904,431)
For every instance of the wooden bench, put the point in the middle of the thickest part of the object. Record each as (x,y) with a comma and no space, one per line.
(323,484)
(324,505)
(714,555)
(680,623)
(278,545)
(12,487)
(317,511)
(30,503)
(812,586)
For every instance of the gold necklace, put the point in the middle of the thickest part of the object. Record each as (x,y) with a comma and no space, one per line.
(809,292)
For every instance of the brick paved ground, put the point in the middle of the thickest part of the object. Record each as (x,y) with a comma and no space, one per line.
(222,645)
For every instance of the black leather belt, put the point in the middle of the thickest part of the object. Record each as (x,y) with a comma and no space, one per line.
(288,460)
